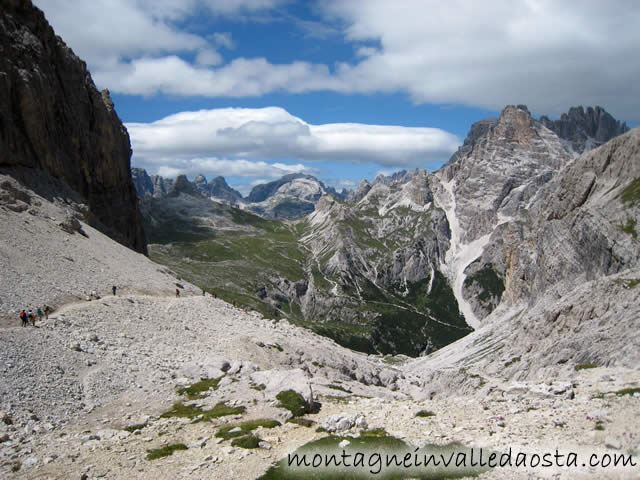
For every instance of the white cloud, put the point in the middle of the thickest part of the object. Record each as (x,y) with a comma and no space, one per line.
(272,133)
(549,54)
(208,57)
(223,39)
(213,167)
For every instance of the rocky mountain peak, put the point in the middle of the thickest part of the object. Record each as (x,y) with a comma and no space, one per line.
(363,189)
(142,182)
(218,188)
(182,185)
(587,128)
(200,183)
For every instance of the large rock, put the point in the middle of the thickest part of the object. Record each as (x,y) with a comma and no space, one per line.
(276,381)
(53,118)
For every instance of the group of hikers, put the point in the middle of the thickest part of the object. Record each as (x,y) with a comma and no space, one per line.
(30,317)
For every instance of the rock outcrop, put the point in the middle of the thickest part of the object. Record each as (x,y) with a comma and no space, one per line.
(53,118)
(585,129)
(142,182)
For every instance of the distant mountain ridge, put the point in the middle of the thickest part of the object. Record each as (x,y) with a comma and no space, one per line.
(290,197)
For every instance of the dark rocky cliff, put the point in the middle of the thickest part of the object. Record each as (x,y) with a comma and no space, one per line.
(54,119)
(586,129)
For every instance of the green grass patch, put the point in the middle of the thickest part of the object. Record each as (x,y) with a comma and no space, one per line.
(628,391)
(374,432)
(165,451)
(292,401)
(628,282)
(181,410)
(198,389)
(630,227)
(247,441)
(491,285)
(383,457)
(599,425)
(631,194)
(303,422)
(133,428)
(585,366)
(245,428)
(425,414)
(393,360)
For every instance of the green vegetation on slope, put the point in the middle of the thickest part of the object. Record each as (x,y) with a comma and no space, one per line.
(631,194)
(261,265)
(382,456)
(488,281)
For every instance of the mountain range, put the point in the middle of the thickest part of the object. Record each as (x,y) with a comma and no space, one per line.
(511,274)
(404,253)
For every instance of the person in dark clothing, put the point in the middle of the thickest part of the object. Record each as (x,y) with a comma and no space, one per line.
(23,317)
(114,288)
(177,292)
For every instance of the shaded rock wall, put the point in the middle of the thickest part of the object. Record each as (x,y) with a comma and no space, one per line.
(54,119)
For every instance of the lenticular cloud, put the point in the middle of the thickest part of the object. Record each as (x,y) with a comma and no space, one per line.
(272,133)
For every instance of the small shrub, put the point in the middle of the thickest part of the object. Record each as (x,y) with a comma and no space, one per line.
(292,401)
(599,425)
(259,388)
(16,467)
(133,428)
(248,441)
(165,451)
(585,366)
(425,413)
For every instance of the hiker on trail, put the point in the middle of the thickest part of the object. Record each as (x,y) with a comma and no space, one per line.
(39,313)
(213,294)
(23,317)
(114,288)
(32,318)
(46,309)
(177,292)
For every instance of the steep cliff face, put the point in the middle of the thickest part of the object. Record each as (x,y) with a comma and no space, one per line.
(54,119)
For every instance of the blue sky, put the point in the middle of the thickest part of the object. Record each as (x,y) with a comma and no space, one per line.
(342,89)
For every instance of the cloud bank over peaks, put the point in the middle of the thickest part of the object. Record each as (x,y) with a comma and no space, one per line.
(230,137)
